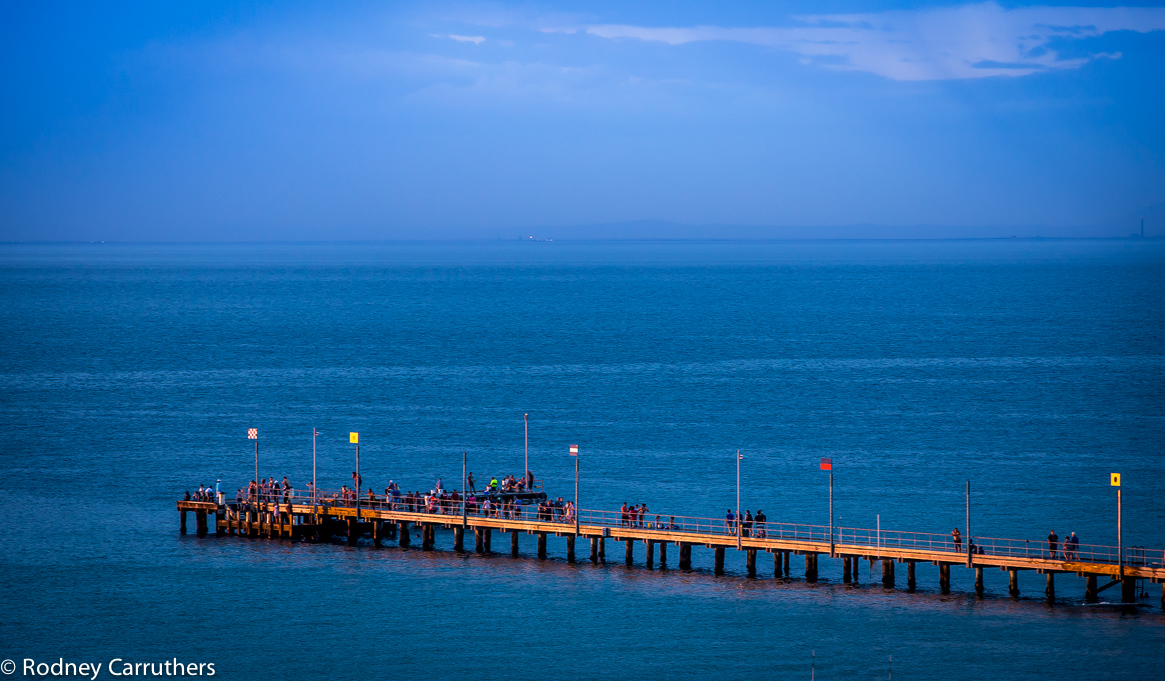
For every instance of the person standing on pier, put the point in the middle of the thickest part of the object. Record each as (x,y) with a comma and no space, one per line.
(1053,544)
(747,531)
(469,483)
(1070,547)
(529,480)
(730,523)
(440,485)
(760,523)
(957,538)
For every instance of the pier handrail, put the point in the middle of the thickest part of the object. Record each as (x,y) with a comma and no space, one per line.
(873,540)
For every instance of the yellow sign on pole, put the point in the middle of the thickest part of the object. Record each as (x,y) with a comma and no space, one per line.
(354,438)
(1116,479)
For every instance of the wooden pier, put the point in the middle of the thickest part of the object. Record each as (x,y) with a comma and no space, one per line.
(298,519)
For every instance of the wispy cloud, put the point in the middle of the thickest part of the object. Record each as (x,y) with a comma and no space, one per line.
(475,39)
(969,41)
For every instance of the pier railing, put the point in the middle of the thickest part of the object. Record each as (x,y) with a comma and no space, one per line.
(874,540)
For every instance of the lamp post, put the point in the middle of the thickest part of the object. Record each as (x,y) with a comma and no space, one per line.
(574,453)
(464,493)
(526,429)
(253,434)
(827,465)
(967,524)
(354,438)
(737,521)
(314,493)
(1115,481)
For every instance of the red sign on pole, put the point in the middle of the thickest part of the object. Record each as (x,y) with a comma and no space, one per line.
(826,464)
(574,450)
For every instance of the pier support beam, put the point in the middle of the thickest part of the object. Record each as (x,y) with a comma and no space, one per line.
(595,550)
(200,519)
(777,562)
(352,532)
(944,578)
(979,582)
(1091,593)
(569,548)
(847,574)
(459,539)
(513,543)
(911,582)
(629,557)
(750,561)
(375,533)
(403,533)
(811,567)
(219,515)
(686,556)
(788,563)
(662,555)
(488,533)
(1128,590)
(650,554)
(603,550)
(479,540)
(1013,583)
(1050,589)
(182,529)
(888,573)
(541,546)
(719,566)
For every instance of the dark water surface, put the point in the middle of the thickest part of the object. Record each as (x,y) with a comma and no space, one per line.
(130,374)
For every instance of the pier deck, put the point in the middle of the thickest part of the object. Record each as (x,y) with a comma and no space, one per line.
(299,519)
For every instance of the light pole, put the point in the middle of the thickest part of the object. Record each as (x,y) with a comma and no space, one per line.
(1115,481)
(574,453)
(314,493)
(354,438)
(827,465)
(464,493)
(526,470)
(967,524)
(253,434)
(738,524)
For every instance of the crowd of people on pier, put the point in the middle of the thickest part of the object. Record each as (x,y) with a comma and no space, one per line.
(507,498)
(746,524)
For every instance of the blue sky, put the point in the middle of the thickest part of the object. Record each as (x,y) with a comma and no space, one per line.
(291,121)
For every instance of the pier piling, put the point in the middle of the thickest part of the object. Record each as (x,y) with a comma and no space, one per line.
(979,582)
(911,582)
(650,554)
(459,539)
(847,575)
(686,556)
(811,567)
(1091,592)
(888,573)
(750,559)
(1012,583)
(479,540)
(595,550)
(1050,589)
(569,548)
(719,566)
(541,546)
(1128,590)
(629,558)
(662,555)
(514,543)
(403,533)
(944,578)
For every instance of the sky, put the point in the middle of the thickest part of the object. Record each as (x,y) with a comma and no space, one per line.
(293,121)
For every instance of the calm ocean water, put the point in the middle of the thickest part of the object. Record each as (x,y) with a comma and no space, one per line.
(130,374)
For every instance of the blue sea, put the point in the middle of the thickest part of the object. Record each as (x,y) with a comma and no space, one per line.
(130,374)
